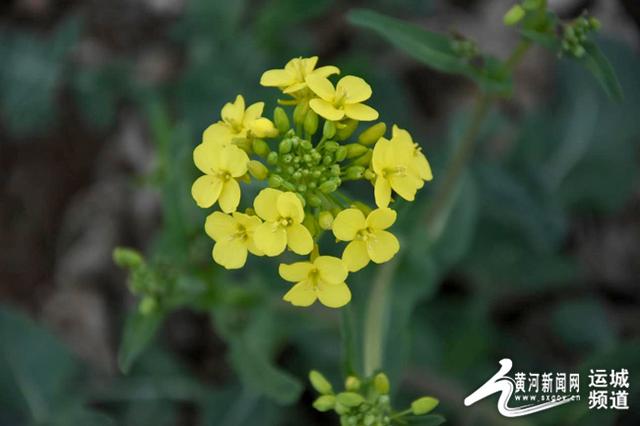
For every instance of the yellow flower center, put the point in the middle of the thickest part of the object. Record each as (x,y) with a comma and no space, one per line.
(241,233)
(285,221)
(364,234)
(313,277)
(340,97)
(398,171)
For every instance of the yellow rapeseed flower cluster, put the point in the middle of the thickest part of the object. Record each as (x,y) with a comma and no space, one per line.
(303,157)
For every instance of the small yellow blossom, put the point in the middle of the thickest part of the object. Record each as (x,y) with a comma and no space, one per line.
(239,123)
(396,167)
(345,100)
(292,78)
(233,235)
(321,279)
(420,164)
(283,215)
(220,165)
(368,238)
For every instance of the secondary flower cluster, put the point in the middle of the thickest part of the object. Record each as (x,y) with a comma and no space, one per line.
(305,156)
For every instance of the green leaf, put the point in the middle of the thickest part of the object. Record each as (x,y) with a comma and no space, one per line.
(434,50)
(601,68)
(139,330)
(259,373)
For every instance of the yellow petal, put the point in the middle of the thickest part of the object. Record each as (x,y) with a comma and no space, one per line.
(326,109)
(295,272)
(355,256)
(406,186)
(382,192)
(321,86)
(326,71)
(205,190)
(299,239)
(290,206)
(295,87)
(422,166)
(276,78)
(233,112)
(220,226)
(382,246)
(381,218)
(355,89)
(205,157)
(265,204)
(301,294)
(253,112)
(308,64)
(233,160)
(229,196)
(333,295)
(270,238)
(382,153)
(331,269)
(347,224)
(263,128)
(231,254)
(217,134)
(360,112)
(248,221)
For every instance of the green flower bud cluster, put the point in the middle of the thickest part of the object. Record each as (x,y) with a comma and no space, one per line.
(312,158)
(143,280)
(574,35)
(365,402)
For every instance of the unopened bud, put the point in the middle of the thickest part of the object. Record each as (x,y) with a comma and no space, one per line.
(260,147)
(331,146)
(346,129)
(354,172)
(355,150)
(513,15)
(423,405)
(369,174)
(350,399)
(319,382)
(329,129)
(311,122)
(281,119)
(275,181)
(352,383)
(300,112)
(315,201)
(328,186)
(381,383)
(285,146)
(372,134)
(258,170)
(306,145)
(272,158)
(341,153)
(325,220)
(127,258)
(364,160)
(324,403)
(147,305)
(533,4)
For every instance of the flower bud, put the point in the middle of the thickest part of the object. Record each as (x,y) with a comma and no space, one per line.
(147,305)
(331,146)
(127,258)
(329,129)
(285,146)
(315,201)
(319,382)
(275,181)
(341,153)
(533,4)
(287,158)
(300,112)
(372,134)
(328,186)
(260,147)
(281,120)
(326,160)
(324,403)
(272,158)
(346,129)
(423,405)
(352,383)
(311,122)
(263,128)
(369,174)
(364,160)
(513,15)
(354,172)
(355,150)
(350,399)
(258,170)
(325,220)
(334,170)
(306,145)
(381,383)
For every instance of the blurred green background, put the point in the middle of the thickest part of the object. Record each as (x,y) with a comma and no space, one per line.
(101,104)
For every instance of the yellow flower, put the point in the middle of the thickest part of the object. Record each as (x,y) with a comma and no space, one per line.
(345,100)
(239,123)
(233,235)
(220,165)
(395,165)
(420,164)
(368,238)
(283,215)
(292,78)
(323,279)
